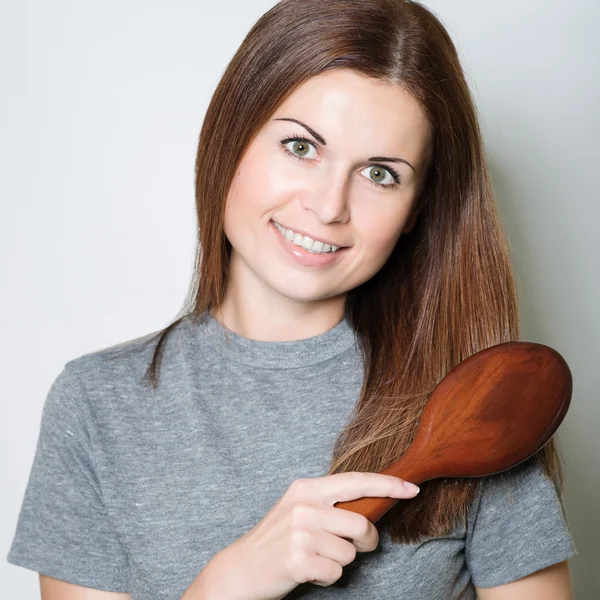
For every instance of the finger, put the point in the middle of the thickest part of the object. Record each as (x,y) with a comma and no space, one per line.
(343,523)
(333,547)
(342,487)
(353,527)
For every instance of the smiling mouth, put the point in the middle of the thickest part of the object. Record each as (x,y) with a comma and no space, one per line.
(283,229)
(301,255)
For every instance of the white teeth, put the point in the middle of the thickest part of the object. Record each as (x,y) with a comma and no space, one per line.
(307,243)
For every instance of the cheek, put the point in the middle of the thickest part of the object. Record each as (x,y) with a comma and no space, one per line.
(256,188)
(380,230)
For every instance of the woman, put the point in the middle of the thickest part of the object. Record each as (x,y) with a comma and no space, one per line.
(350,254)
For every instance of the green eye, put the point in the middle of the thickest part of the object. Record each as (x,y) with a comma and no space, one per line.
(379,175)
(300,146)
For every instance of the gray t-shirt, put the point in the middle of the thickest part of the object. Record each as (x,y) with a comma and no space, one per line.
(135,490)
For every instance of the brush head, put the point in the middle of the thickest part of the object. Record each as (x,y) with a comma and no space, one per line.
(492,411)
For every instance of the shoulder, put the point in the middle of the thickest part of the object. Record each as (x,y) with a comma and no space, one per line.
(103,387)
(127,361)
(518,494)
(517,525)
(525,482)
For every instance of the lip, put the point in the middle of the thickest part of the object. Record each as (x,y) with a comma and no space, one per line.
(311,236)
(301,256)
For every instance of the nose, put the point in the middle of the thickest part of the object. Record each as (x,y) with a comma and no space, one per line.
(328,200)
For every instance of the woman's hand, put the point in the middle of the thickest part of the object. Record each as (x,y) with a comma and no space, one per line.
(302,538)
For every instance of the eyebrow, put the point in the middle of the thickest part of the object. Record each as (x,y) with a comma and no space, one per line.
(321,140)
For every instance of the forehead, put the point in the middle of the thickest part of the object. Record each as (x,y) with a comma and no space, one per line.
(360,114)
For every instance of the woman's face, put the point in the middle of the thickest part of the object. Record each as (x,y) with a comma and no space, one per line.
(338,184)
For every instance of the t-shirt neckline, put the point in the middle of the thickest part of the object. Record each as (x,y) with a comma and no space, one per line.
(277,355)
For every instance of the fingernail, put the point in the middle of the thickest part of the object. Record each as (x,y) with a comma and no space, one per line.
(411,487)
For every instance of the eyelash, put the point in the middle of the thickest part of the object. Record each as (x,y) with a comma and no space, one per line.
(295,138)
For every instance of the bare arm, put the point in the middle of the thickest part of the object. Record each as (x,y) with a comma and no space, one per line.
(55,589)
(551,583)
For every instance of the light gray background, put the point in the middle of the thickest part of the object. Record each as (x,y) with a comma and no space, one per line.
(101,106)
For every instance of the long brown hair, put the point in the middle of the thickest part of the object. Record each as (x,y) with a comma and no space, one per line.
(447,290)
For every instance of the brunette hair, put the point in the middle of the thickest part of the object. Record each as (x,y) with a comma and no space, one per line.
(447,290)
